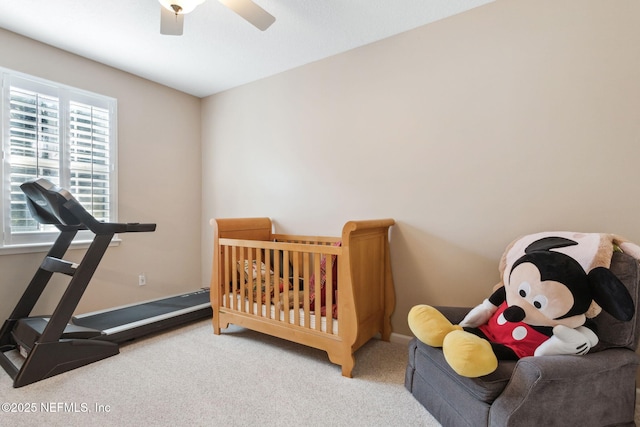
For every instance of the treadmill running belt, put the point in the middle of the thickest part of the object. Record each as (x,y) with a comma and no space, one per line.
(135,313)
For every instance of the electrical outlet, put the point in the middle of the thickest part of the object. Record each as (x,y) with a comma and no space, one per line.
(142,279)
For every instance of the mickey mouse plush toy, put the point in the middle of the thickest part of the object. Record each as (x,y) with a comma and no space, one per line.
(541,310)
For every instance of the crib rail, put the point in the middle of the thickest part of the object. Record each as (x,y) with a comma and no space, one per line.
(281,280)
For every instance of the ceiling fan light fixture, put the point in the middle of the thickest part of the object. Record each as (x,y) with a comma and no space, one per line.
(180,6)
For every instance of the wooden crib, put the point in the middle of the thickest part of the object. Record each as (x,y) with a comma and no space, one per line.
(331,293)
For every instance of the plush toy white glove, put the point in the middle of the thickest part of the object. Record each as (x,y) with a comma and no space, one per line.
(567,340)
(479,315)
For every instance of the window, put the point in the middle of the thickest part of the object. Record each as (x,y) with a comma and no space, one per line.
(60,133)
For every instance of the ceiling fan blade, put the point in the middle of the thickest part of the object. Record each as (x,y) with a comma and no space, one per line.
(250,11)
(170,23)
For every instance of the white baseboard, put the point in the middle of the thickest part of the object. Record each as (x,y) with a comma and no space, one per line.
(400,339)
(396,338)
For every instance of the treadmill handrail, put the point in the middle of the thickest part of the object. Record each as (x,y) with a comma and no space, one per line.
(98,227)
(50,204)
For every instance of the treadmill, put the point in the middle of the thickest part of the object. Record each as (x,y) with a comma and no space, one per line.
(50,345)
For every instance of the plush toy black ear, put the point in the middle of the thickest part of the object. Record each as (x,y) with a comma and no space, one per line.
(547,243)
(611,294)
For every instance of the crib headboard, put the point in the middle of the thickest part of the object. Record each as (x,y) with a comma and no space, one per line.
(243,228)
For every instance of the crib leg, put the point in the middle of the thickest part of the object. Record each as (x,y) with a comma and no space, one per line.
(347,366)
(217,327)
(386,329)
(345,359)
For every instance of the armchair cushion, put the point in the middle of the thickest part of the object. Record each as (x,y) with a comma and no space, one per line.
(486,388)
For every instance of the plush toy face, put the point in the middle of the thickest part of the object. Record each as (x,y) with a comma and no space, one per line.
(549,288)
(539,302)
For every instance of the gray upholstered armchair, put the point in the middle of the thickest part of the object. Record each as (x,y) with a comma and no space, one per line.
(597,389)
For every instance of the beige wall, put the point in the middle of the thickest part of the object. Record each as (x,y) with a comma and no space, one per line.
(159,147)
(515,117)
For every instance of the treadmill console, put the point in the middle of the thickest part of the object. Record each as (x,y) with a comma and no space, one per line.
(46,200)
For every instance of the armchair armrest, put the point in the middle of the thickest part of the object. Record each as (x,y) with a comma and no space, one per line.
(454,314)
(569,390)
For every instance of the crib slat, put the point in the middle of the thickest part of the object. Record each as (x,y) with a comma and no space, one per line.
(243,286)
(295,282)
(225,277)
(306,273)
(267,286)
(317,293)
(234,278)
(249,294)
(329,293)
(257,281)
(285,289)
(276,284)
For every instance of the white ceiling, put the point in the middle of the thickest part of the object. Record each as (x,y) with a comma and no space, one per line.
(219,50)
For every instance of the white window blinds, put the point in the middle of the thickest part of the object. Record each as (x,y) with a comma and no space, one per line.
(90,158)
(63,134)
(34,148)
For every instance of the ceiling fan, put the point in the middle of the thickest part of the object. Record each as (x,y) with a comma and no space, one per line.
(173,11)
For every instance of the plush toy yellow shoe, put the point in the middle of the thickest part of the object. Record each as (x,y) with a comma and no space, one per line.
(468,354)
(429,325)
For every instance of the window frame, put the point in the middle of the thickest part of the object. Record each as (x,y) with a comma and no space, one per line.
(38,241)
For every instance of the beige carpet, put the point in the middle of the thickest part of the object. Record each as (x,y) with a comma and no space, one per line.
(190,377)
